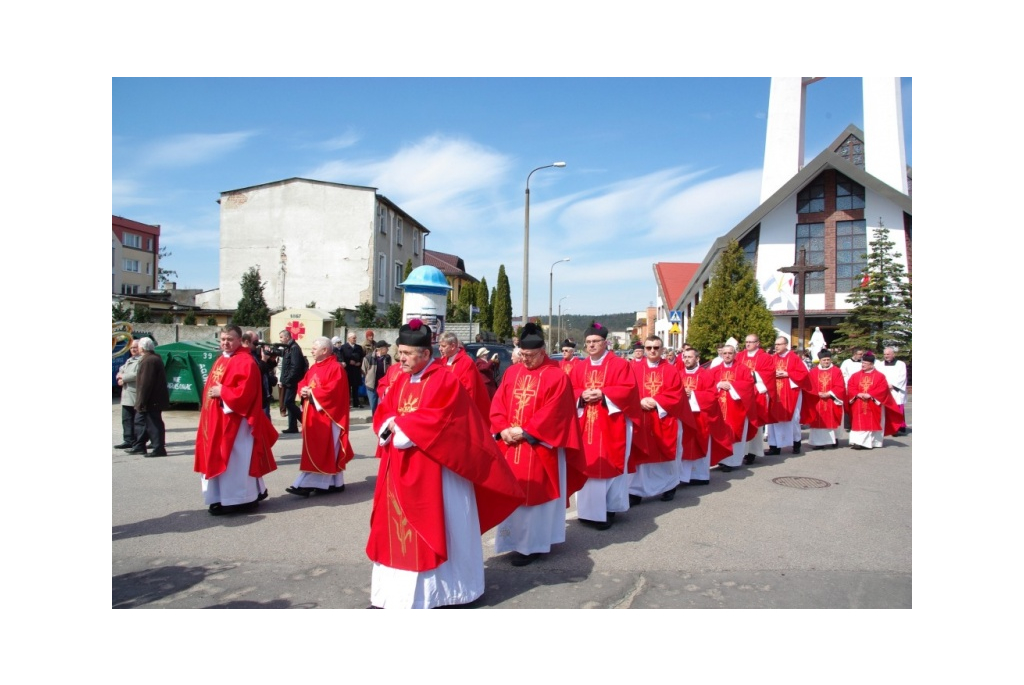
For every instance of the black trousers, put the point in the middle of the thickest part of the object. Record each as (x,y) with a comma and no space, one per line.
(128,424)
(294,413)
(149,426)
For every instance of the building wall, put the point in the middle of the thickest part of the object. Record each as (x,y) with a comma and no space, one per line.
(139,248)
(312,243)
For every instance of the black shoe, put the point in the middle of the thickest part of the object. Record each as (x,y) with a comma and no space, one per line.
(263,495)
(796,447)
(128,445)
(599,525)
(698,481)
(748,459)
(772,451)
(668,495)
(818,447)
(635,500)
(524,559)
(301,492)
(219,509)
(290,430)
(901,431)
(336,488)
(137,450)
(725,468)
(161,452)
(858,447)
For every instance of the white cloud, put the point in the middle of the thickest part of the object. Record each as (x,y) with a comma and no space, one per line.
(193,148)
(345,140)
(703,212)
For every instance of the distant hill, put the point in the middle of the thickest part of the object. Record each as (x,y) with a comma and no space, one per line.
(573,325)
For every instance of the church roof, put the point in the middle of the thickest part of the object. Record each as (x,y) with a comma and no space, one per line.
(829,158)
(672,278)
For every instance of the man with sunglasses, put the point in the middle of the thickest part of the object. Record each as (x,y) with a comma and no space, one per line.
(664,417)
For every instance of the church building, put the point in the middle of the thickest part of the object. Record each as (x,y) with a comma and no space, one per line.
(830,207)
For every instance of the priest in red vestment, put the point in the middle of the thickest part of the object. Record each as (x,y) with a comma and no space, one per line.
(665,415)
(608,407)
(442,482)
(235,435)
(569,358)
(326,450)
(790,381)
(823,406)
(459,363)
(533,417)
(766,396)
(735,385)
(873,412)
(710,440)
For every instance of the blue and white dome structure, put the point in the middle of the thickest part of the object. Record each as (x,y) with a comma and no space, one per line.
(426,297)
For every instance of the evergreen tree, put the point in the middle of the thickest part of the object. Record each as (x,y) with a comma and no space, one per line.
(490,314)
(731,306)
(408,269)
(393,319)
(252,308)
(502,306)
(366,314)
(484,317)
(882,312)
(190,318)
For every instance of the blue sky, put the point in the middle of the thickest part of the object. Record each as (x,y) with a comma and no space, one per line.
(656,168)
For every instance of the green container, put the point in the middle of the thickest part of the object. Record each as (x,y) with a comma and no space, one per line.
(187,365)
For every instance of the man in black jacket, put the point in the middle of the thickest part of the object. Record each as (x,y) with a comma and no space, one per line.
(293,370)
(151,398)
(352,359)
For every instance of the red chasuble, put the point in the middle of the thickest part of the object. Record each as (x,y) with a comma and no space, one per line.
(661,383)
(709,421)
(407,523)
(865,415)
(242,391)
(764,365)
(824,413)
(604,434)
(540,401)
(328,383)
(567,364)
(735,412)
(465,370)
(389,376)
(797,370)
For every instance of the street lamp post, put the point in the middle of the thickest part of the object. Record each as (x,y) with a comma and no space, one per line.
(551,287)
(560,318)
(526,243)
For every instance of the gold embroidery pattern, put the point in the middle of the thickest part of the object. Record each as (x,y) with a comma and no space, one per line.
(406,403)
(593,380)
(400,524)
(865,386)
(653,383)
(216,375)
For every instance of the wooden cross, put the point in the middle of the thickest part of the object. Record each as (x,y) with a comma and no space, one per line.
(801,269)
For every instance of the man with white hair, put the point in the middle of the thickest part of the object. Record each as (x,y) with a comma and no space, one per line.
(325,425)
(735,386)
(151,398)
(235,436)
(126,379)
(455,360)
(895,372)
(791,381)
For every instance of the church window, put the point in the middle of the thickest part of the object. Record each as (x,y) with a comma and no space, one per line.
(812,198)
(849,195)
(812,238)
(749,246)
(851,254)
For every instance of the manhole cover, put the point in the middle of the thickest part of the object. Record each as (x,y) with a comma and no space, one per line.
(801,482)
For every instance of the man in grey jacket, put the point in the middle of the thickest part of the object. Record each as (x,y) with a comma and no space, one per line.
(126,379)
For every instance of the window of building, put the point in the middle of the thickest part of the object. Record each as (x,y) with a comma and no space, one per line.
(149,268)
(399,275)
(150,243)
(382,218)
(811,237)
(415,241)
(812,198)
(849,195)
(382,276)
(851,254)
(398,230)
(749,246)
(127,289)
(132,240)
(131,265)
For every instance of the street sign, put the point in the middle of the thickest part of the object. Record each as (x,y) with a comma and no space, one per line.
(675,329)
(675,316)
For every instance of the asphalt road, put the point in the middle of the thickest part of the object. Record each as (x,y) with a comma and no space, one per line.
(824,529)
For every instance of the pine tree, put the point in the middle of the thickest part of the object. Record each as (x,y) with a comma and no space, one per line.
(252,308)
(483,305)
(731,307)
(502,306)
(882,313)
(408,269)
(366,314)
